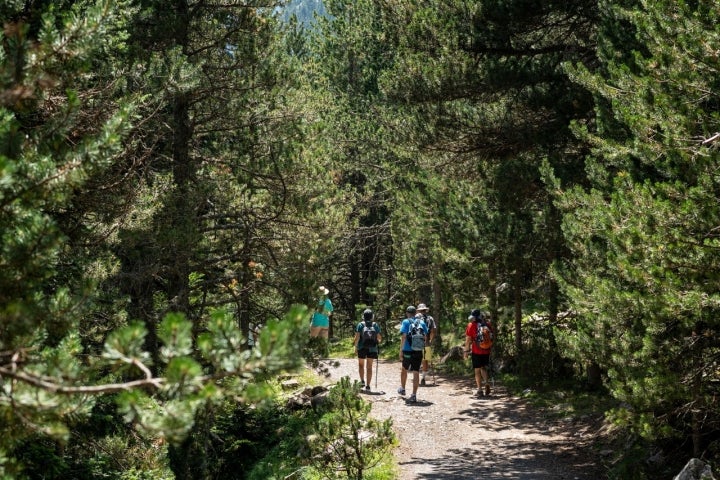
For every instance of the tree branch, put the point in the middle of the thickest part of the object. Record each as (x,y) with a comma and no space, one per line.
(55,386)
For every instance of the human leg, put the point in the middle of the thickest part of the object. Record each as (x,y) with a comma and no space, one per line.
(368,372)
(361,369)
(486,379)
(426,364)
(404,373)
(321,332)
(478,365)
(484,361)
(415,365)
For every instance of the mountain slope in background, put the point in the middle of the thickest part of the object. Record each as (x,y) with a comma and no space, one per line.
(304,10)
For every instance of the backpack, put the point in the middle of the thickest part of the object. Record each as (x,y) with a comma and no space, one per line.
(369,335)
(484,336)
(417,336)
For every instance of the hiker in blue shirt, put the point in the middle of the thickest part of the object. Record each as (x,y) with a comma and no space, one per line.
(320,323)
(414,337)
(367,341)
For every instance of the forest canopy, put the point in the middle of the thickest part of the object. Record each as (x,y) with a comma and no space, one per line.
(178,178)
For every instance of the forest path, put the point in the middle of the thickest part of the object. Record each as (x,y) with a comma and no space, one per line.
(451,434)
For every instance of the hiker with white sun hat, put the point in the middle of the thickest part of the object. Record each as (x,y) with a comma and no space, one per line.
(320,323)
(432,331)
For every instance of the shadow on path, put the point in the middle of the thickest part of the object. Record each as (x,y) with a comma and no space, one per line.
(457,435)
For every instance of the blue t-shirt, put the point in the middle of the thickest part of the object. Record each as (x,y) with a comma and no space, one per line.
(406,327)
(360,327)
(320,318)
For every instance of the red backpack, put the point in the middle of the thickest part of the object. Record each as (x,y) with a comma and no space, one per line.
(483,335)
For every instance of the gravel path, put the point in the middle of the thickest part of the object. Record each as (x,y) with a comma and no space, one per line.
(450,434)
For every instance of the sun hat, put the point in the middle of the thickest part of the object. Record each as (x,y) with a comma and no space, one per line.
(422,306)
(324,290)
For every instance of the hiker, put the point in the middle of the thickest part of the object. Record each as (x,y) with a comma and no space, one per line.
(414,337)
(321,317)
(432,331)
(479,336)
(367,341)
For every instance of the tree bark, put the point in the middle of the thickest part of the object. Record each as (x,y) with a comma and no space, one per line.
(517,297)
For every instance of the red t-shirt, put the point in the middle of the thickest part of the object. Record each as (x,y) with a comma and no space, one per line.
(471,331)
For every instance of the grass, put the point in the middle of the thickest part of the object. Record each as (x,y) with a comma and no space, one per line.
(344,348)
(561,397)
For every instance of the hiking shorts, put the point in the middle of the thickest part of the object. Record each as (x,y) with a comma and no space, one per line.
(319,320)
(367,353)
(412,360)
(428,353)
(480,360)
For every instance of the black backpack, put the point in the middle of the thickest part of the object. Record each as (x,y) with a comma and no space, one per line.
(369,335)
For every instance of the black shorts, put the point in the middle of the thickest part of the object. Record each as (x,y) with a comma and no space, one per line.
(366,353)
(412,360)
(480,360)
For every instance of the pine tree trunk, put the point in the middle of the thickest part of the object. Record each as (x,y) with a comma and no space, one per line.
(696,389)
(437,301)
(517,296)
(594,376)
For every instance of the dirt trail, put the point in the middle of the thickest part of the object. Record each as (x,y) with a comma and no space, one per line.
(450,434)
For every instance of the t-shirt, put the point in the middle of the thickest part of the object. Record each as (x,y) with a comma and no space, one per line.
(360,327)
(471,331)
(406,327)
(320,317)
(431,325)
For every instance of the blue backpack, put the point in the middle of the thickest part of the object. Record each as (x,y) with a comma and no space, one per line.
(416,336)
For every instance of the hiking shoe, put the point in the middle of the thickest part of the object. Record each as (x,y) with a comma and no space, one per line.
(367,388)
(487,390)
(422,382)
(412,398)
(362,383)
(401,391)
(479,392)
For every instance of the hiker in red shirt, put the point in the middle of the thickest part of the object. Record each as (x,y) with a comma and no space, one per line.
(479,336)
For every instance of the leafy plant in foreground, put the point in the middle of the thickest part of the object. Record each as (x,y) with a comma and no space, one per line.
(348,442)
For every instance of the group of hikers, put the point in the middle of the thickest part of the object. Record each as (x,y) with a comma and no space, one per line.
(418,332)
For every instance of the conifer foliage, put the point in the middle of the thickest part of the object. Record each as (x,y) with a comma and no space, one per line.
(175,174)
(646,267)
(74,105)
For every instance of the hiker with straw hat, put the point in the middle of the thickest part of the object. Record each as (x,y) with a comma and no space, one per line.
(432,330)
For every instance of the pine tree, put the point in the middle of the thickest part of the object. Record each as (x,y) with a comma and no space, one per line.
(73,110)
(349,54)
(491,101)
(644,277)
(53,139)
